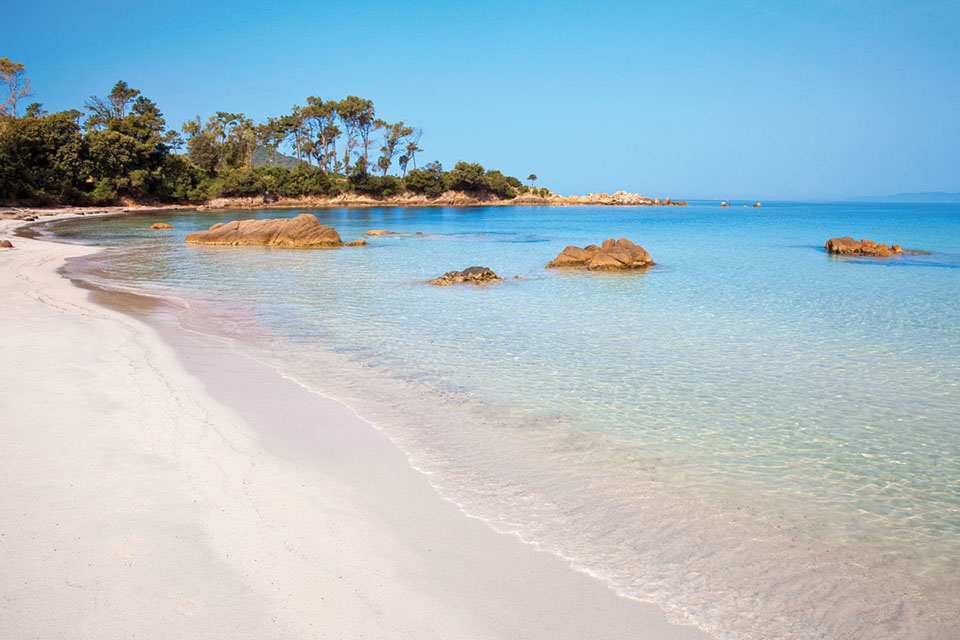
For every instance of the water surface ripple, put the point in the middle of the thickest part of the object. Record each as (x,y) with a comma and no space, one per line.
(758,437)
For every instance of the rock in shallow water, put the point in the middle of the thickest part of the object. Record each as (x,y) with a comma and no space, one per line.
(471,275)
(849,247)
(303,231)
(384,232)
(613,255)
(160,225)
(6,244)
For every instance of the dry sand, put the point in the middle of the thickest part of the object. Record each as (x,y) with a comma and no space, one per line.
(155,484)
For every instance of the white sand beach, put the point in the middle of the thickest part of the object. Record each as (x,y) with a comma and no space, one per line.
(162,486)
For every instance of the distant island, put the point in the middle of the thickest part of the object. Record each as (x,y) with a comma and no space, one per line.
(915,197)
(118,150)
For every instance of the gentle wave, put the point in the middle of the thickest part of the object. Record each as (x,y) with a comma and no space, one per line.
(754,447)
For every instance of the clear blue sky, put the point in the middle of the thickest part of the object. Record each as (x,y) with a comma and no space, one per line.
(751,99)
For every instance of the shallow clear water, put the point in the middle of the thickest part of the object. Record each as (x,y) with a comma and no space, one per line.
(757,436)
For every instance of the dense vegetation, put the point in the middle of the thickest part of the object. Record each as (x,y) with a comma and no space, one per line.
(119,148)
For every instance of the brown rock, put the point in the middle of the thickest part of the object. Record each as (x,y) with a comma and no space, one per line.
(357,243)
(384,232)
(847,246)
(757,204)
(471,275)
(613,255)
(6,244)
(303,231)
(160,225)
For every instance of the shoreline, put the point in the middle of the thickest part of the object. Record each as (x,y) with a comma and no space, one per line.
(148,469)
(351,200)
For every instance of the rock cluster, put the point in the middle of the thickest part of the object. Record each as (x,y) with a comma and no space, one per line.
(303,231)
(847,246)
(620,198)
(611,255)
(160,225)
(470,275)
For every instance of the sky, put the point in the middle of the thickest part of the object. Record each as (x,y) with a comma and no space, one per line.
(823,99)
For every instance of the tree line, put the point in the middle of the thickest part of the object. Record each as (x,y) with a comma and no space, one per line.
(120,148)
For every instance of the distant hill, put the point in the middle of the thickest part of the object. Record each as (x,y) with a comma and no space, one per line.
(920,196)
(263,157)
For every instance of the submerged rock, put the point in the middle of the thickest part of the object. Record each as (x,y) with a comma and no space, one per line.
(303,231)
(384,232)
(160,225)
(612,255)
(397,234)
(471,275)
(357,243)
(847,246)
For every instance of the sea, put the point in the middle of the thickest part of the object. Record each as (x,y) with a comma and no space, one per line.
(758,437)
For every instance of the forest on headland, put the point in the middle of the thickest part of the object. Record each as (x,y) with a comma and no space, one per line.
(118,148)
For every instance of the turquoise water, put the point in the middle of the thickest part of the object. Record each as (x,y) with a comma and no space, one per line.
(759,437)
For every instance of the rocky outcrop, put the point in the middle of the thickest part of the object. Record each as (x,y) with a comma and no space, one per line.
(160,225)
(357,243)
(619,198)
(847,246)
(470,275)
(303,231)
(757,204)
(6,244)
(611,256)
(446,199)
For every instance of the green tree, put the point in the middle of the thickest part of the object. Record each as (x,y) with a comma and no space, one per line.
(428,181)
(104,111)
(499,184)
(18,85)
(225,141)
(41,158)
(320,117)
(532,178)
(410,153)
(357,117)
(465,176)
(393,139)
(35,110)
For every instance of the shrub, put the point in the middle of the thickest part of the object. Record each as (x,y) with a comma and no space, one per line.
(427,181)
(105,192)
(465,176)
(498,184)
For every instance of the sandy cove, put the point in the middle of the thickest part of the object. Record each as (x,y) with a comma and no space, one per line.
(157,484)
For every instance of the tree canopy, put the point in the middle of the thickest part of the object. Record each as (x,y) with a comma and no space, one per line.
(120,147)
